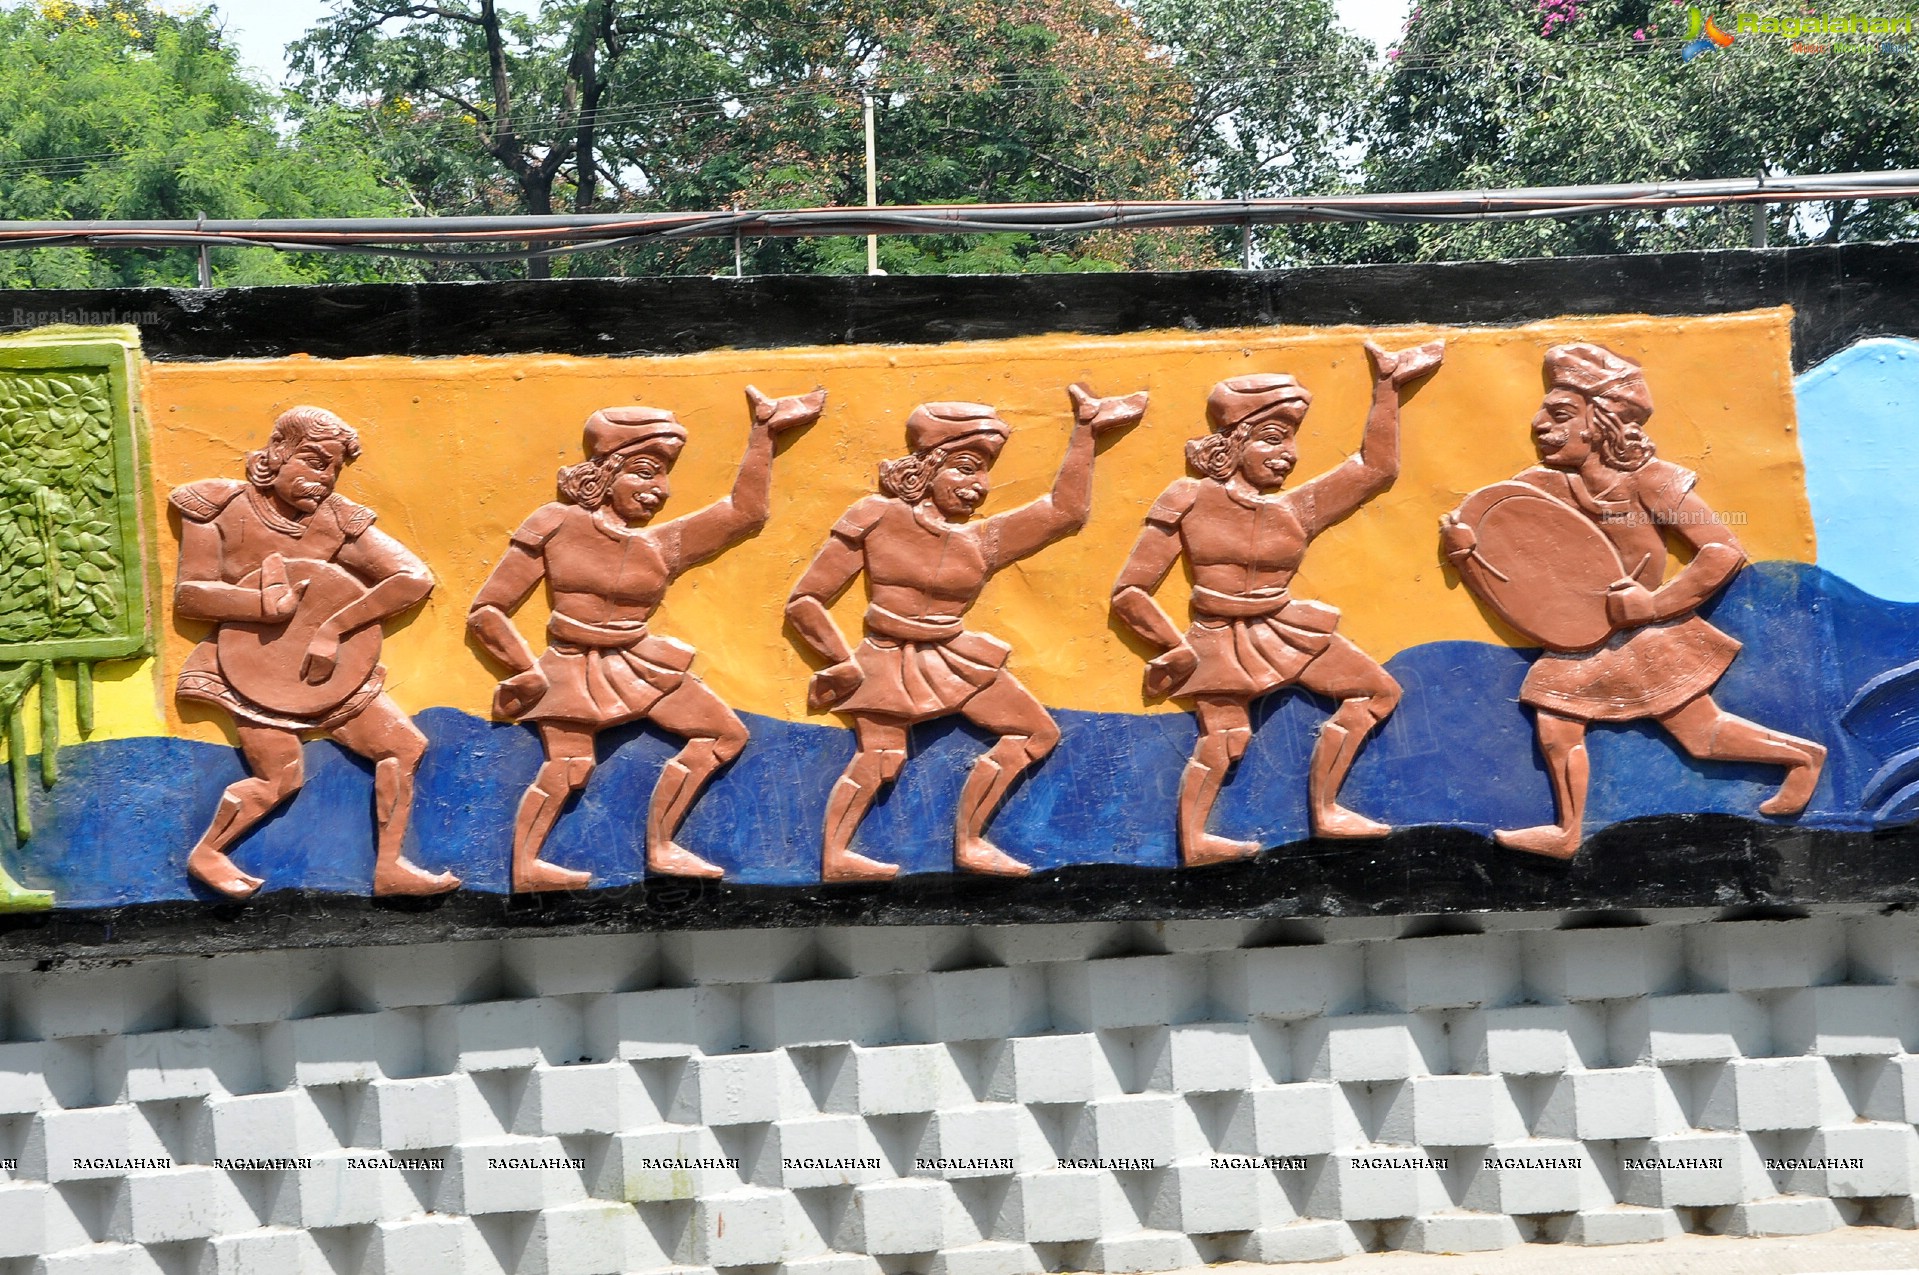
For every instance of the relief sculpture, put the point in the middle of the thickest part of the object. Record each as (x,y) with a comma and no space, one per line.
(1548,551)
(297,581)
(1243,538)
(926,562)
(607,565)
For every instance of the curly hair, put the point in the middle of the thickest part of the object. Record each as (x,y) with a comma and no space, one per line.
(1216,456)
(587,483)
(1619,433)
(908,477)
(294,427)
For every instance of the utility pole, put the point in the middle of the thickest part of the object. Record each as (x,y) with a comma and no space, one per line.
(872,188)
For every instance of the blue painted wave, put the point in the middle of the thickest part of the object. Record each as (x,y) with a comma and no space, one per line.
(1459,751)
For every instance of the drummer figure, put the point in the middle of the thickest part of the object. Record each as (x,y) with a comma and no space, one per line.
(1660,660)
(1244,539)
(237,540)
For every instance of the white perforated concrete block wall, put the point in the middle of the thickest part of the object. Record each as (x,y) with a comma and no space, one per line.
(959,1101)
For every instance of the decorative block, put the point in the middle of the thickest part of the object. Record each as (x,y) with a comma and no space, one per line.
(1613,963)
(1288,983)
(1743,956)
(1451,1111)
(1134,991)
(1069,1068)
(1529,1040)
(1302,1119)
(1367,1047)
(1698,1028)
(1448,972)
(973,1004)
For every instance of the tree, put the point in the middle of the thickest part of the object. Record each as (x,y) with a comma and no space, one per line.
(1489,93)
(121,110)
(631,104)
(1279,92)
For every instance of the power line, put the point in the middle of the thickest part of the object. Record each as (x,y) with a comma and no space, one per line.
(516,238)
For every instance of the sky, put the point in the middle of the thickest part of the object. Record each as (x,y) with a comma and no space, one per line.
(262,28)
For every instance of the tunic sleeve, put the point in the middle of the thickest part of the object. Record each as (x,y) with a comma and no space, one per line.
(202,501)
(1174,503)
(860,519)
(1664,486)
(540,526)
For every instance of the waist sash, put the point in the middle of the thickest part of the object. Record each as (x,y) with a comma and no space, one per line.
(1239,606)
(900,628)
(618,633)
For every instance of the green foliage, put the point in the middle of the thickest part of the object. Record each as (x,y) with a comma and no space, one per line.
(646,105)
(1481,95)
(122,110)
(61,558)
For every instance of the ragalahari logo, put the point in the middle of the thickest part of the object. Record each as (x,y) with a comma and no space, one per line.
(1702,35)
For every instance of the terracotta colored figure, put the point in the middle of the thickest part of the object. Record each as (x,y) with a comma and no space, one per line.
(606,567)
(1573,553)
(298,581)
(925,564)
(1243,539)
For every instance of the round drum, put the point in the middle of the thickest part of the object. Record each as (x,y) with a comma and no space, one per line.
(262,660)
(1544,568)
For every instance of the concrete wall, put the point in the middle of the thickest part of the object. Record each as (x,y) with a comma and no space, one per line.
(1094,1090)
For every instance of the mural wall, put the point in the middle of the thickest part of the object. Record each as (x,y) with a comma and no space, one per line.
(1587,611)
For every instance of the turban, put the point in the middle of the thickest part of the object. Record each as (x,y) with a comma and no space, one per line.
(1233,401)
(946,424)
(614,429)
(1600,374)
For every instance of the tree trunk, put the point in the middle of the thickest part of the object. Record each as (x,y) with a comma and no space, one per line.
(536,195)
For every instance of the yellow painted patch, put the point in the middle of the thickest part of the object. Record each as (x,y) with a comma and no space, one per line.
(458,451)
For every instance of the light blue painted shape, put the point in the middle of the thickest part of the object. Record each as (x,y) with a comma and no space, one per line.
(1859,434)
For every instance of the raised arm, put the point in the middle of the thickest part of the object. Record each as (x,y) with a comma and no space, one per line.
(1065,509)
(512,581)
(744,510)
(1338,492)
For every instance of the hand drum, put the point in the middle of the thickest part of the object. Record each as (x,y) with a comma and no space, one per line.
(262,660)
(1544,566)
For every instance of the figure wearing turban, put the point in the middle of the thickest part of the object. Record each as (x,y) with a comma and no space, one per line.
(1243,538)
(926,560)
(607,565)
(1661,660)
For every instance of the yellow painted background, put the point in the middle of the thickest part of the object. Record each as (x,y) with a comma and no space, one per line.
(458,451)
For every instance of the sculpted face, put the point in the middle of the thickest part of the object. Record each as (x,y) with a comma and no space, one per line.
(1271,451)
(307,475)
(960,484)
(640,488)
(1561,430)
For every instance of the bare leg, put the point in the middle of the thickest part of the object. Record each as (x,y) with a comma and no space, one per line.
(568,765)
(1027,733)
(1366,693)
(1562,741)
(388,738)
(1708,731)
(715,735)
(273,757)
(882,752)
(1224,732)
